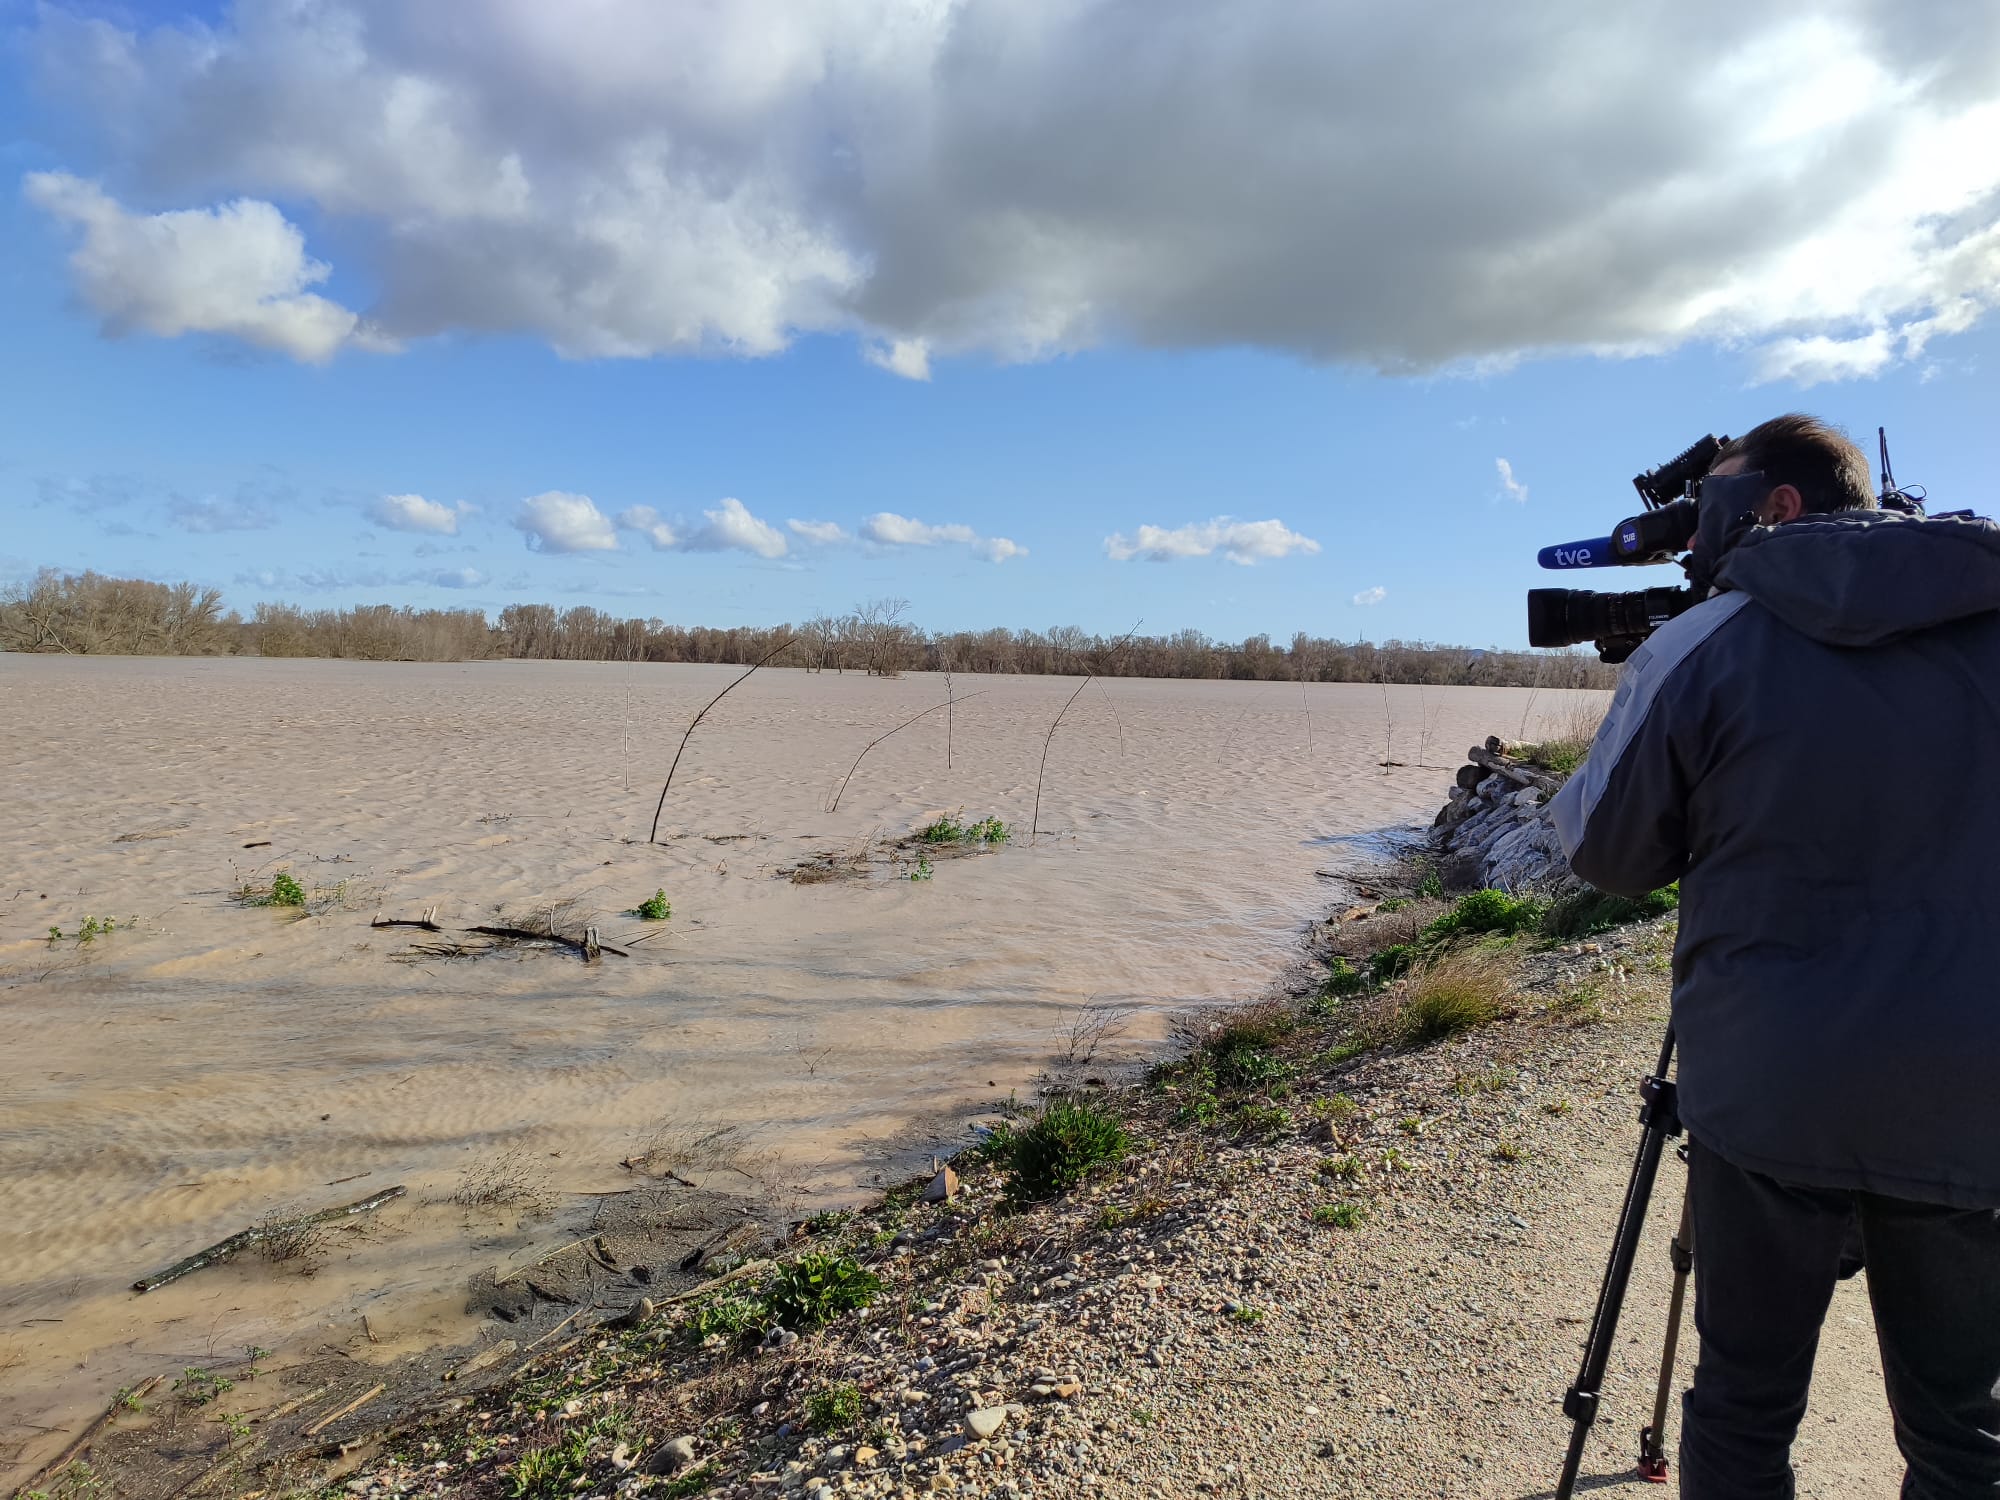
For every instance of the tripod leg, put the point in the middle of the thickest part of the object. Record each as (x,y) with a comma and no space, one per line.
(1652,1439)
(1661,1120)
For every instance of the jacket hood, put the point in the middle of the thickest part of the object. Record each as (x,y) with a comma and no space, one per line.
(1864,577)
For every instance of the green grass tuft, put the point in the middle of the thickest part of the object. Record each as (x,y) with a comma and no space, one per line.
(834,1409)
(655,908)
(817,1288)
(1069,1140)
(1340,1215)
(1591,911)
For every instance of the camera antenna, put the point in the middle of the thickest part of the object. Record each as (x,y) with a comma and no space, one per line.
(1894,496)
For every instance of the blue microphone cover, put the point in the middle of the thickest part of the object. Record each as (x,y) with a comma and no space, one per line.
(1595,553)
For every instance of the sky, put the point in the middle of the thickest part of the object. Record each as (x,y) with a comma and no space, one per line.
(1030,312)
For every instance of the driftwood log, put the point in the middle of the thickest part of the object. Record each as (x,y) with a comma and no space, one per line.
(589,945)
(243,1239)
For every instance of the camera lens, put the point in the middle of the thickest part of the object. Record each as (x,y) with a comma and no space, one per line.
(1567,617)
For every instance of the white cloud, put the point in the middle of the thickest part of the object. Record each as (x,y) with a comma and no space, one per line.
(1242,542)
(559,522)
(731,527)
(820,533)
(909,358)
(887,529)
(646,521)
(631,178)
(1511,487)
(1371,596)
(414,513)
(240,270)
(456,578)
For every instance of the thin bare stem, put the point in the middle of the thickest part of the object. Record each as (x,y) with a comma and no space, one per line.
(834,807)
(654,836)
(948,701)
(1114,716)
(1034,821)
(1306,704)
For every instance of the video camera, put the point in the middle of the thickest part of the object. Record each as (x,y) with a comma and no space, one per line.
(1618,623)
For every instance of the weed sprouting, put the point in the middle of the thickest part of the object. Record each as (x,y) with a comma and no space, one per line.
(1264,1122)
(1340,1215)
(924,870)
(1590,911)
(655,908)
(817,1288)
(1069,1139)
(834,1409)
(198,1387)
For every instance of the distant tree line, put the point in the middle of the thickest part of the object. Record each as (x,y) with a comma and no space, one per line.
(87,614)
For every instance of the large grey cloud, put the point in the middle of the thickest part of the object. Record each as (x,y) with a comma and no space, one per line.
(1400,186)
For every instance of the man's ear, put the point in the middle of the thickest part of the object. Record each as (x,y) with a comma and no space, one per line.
(1783,504)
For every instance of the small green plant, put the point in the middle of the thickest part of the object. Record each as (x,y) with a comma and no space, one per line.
(1340,1215)
(817,1288)
(1395,904)
(286,891)
(235,1424)
(1113,1216)
(834,1409)
(1557,1107)
(923,870)
(198,1387)
(988,831)
(1069,1139)
(1486,911)
(1346,1051)
(828,1221)
(552,1472)
(655,908)
(128,1399)
(1392,962)
(1410,1125)
(1431,887)
(1342,979)
(1589,911)
(1346,1168)
(55,934)
(1334,1109)
(1245,1067)
(946,830)
(1509,1151)
(729,1318)
(1489,1080)
(1264,1122)
(1247,1314)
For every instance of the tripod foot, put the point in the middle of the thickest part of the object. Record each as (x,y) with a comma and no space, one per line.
(1652,1462)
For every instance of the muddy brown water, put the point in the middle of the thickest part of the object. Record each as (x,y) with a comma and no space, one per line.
(206,1064)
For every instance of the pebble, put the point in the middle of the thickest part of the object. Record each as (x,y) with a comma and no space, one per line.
(984,1421)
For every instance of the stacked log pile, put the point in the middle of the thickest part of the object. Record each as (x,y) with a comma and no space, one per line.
(1496,830)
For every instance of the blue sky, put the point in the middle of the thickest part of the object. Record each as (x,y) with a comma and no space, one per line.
(164,421)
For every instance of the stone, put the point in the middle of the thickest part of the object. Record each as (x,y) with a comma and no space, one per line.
(865,1455)
(983,1421)
(673,1456)
(943,1186)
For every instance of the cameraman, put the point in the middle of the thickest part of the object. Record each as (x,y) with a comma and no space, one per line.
(1812,752)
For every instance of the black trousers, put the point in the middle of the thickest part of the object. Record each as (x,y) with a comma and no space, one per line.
(1767,1255)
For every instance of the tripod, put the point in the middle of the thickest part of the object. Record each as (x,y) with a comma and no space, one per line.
(1659,1117)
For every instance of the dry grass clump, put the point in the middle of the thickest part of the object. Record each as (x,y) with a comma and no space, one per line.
(1454,993)
(514,1179)
(301,1244)
(1567,734)
(680,1148)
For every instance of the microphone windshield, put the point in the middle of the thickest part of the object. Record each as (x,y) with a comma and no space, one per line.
(1595,553)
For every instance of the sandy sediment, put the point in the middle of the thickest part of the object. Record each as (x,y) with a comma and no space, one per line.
(206,1064)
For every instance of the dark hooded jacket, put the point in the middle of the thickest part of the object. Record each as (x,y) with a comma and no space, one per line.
(1815,755)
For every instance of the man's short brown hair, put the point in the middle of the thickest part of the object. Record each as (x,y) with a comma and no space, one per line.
(1823,463)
